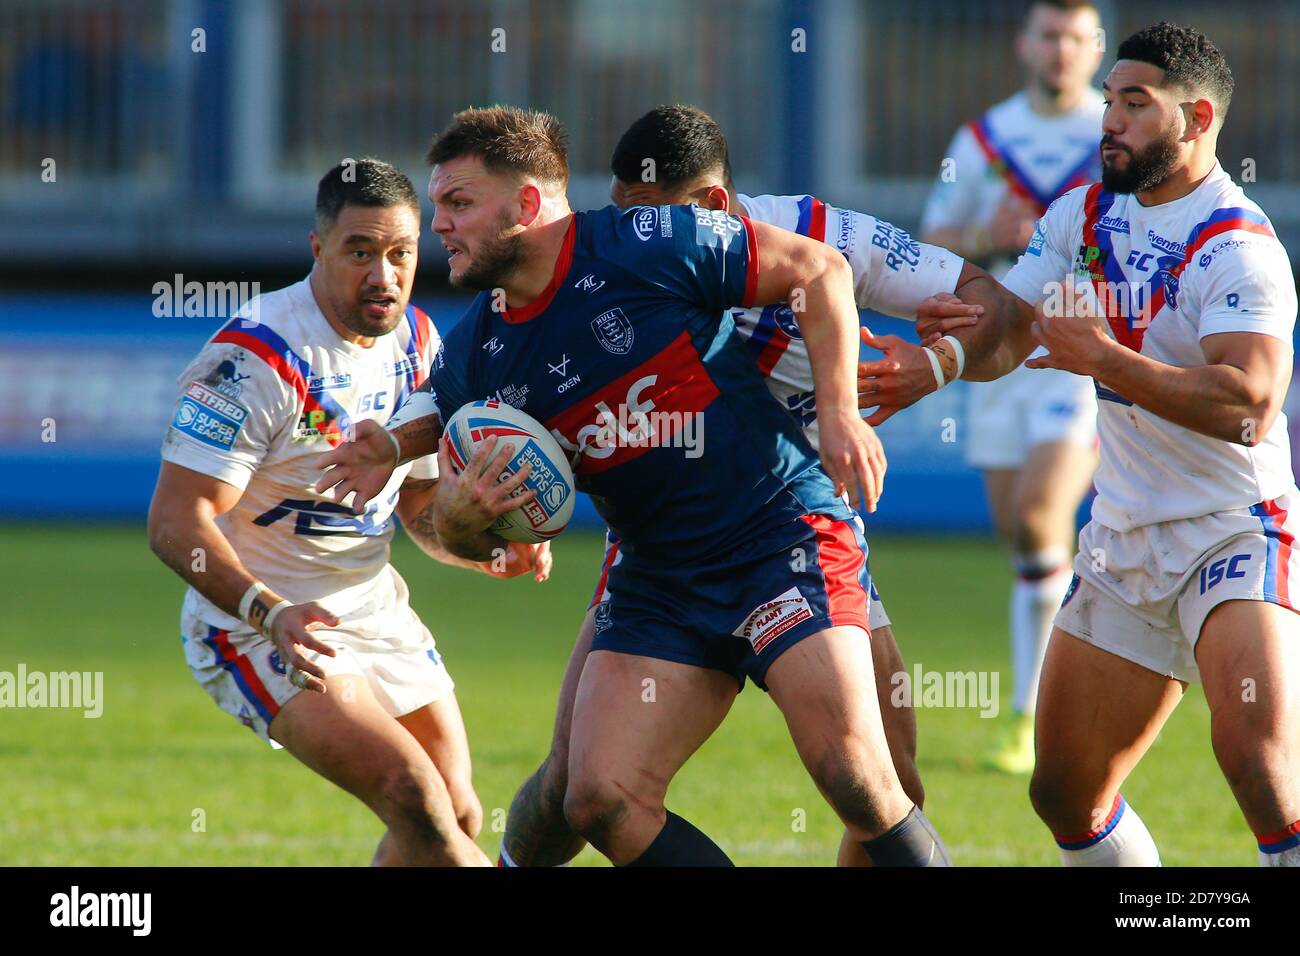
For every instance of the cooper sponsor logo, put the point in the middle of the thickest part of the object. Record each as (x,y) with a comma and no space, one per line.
(75,908)
(773,618)
(844,238)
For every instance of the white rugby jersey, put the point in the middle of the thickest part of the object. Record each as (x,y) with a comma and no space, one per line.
(1168,276)
(259,404)
(1013,149)
(892,273)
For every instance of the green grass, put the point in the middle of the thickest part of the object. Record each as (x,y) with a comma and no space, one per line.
(124,789)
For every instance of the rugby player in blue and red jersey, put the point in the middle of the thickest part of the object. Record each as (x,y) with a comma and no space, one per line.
(678,155)
(740,558)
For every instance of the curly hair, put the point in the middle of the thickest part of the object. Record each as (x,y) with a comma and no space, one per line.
(1188,58)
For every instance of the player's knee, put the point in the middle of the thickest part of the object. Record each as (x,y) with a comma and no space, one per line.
(593,808)
(850,784)
(1054,797)
(410,796)
(1252,754)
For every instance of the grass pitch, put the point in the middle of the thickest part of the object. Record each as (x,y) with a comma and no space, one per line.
(132,787)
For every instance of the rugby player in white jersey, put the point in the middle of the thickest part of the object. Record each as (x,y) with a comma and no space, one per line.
(1032,433)
(290,591)
(891,273)
(1183,573)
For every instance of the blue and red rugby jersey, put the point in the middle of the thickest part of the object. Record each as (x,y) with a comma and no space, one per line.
(635,320)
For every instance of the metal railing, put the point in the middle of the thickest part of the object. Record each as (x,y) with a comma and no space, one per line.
(198,128)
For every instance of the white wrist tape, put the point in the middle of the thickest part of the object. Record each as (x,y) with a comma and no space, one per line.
(271,615)
(960,352)
(938,371)
(246,602)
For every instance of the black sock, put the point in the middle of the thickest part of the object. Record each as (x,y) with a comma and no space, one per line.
(912,841)
(681,844)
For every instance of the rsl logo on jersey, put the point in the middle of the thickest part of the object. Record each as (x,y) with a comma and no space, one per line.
(614,332)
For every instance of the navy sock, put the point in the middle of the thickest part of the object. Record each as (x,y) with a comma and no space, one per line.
(681,844)
(912,841)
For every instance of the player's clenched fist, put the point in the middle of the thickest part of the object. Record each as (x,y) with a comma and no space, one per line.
(468,503)
(362,465)
(291,634)
(854,457)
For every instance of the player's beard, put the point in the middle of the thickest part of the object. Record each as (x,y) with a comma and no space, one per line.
(1147,168)
(494,262)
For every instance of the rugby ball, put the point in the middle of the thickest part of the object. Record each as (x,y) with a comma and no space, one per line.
(546,515)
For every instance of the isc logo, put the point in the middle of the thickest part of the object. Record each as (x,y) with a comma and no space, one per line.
(1212,574)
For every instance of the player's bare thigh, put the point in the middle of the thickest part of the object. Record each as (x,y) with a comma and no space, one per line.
(346,737)
(1097,714)
(636,721)
(1000,485)
(440,730)
(824,686)
(1249,658)
(569,691)
(1048,488)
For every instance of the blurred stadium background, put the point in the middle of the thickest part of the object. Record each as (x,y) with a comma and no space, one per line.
(195,154)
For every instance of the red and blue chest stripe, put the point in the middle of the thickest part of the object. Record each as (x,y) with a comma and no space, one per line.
(1129,319)
(1086,170)
(293,369)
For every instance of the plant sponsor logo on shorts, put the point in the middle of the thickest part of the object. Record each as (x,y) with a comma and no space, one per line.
(773,618)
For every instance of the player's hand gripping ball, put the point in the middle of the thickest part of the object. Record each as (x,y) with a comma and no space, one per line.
(530,443)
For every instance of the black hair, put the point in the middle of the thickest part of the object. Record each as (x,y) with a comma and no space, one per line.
(684,142)
(1188,58)
(362,182)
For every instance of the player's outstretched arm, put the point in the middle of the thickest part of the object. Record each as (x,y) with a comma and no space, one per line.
(364,463)
(1236,396)
(985,348)
(184,534)
(818,284)
(996,344)
(415,509)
